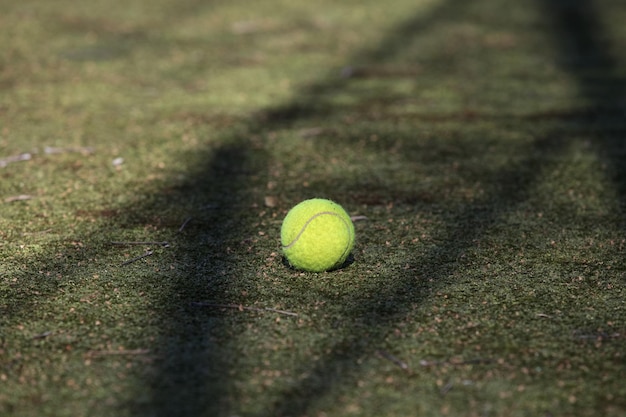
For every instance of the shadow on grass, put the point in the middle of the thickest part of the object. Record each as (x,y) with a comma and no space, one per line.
(188,375)
(192,373)
(586,53)
(310,103)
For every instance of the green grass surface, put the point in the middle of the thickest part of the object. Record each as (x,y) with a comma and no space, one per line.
(484,142)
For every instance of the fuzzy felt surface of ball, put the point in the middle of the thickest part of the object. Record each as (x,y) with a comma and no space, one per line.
(317,235)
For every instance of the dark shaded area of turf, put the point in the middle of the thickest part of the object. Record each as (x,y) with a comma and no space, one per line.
(586,52)
(194,368)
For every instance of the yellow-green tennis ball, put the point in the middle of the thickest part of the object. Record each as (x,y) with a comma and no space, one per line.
(317,235)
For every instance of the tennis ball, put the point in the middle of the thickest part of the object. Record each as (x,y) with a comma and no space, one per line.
(317,235)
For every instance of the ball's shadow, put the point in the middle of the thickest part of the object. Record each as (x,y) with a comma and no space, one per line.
(349,261)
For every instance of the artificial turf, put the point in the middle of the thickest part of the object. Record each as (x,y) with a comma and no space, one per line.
(149,151)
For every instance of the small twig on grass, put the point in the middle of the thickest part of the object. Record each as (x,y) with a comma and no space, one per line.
(477,361)
(21,197)
(182,226)
(42,335)
(311,132)
(163,244)
(147,253)
(15,158)
(50,150)
(596,335)
(446,388)
(242,308)
(96,353)
(38,232)
(358,218)
(137,258)
(386,355)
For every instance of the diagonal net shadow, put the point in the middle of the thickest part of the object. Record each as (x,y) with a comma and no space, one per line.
(394,44)
(586,53)
(194,355)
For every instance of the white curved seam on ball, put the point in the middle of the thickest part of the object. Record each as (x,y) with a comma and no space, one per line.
(346,251)
(307,223)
